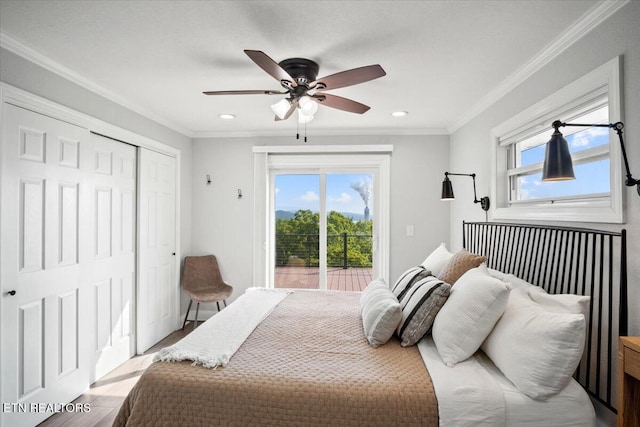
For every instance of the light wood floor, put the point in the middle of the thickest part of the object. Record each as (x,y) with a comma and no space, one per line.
(106,395)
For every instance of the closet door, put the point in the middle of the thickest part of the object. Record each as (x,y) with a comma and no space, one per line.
(113,225)
(68,247)
(45,291)
(157,292)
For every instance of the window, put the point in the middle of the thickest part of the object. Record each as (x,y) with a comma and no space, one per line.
(589,148)
(596,193)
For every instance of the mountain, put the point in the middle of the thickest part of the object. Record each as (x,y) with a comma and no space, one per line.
(284,214)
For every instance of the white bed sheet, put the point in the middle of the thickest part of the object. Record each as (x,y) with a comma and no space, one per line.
(475,393)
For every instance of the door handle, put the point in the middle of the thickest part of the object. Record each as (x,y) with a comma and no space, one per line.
(12,293)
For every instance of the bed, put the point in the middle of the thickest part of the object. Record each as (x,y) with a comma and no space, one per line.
(307,362)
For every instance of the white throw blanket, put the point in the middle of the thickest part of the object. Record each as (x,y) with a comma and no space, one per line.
(214,342)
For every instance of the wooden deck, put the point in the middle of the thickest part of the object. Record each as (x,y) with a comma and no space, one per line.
(338,279)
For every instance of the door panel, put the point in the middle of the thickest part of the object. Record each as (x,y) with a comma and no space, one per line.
(158,289)
(31,358)
(31,227)
(68,357)
(68,205)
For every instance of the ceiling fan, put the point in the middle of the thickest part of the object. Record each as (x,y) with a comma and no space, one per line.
(298,76)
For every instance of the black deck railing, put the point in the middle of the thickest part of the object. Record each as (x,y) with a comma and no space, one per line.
(343,250)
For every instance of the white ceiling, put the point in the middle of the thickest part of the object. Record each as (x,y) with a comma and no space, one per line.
(444,60)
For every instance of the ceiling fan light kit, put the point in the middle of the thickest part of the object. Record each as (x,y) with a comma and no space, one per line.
(303,118)
(281,107)
(308,107)
(298,76)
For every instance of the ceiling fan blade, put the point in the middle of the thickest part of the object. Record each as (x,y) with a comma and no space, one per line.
(270,66)
(341,103)
(293,107)
(244,92)
(350,77)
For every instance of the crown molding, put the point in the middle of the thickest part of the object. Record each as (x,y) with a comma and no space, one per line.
(587,22)
(24,51)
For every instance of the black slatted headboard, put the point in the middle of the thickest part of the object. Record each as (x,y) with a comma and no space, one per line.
(568,260)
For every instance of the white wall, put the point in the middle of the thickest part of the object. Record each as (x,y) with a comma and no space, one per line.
(223,225)
(23,74)
(619,35)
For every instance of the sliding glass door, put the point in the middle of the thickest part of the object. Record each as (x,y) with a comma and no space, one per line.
(323,229)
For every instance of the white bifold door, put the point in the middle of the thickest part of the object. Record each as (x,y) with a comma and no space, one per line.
(68,225)
(113,267)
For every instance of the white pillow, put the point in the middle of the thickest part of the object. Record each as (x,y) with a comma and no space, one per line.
(519,283)
(437,260)
(381,313)
(561,303)
(537,347)
(578,304)
(475,304)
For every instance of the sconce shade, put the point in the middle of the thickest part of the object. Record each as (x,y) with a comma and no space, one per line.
(557,161)
(447,189)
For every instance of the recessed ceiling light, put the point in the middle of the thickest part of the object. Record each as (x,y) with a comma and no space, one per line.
(227,116)
(399,113)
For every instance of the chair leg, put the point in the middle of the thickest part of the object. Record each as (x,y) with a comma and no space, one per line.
(225,302)
(218,304)
(187,315)
(195,321)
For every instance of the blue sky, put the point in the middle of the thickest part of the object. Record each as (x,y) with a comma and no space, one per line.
(295,192)
(590,177)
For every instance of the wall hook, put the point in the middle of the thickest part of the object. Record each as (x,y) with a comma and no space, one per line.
(208,180)
(239,193)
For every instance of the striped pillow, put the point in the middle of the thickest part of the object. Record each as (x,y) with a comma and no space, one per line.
(420,305)
(408,279)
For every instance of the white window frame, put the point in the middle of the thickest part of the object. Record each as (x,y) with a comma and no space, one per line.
(603,81)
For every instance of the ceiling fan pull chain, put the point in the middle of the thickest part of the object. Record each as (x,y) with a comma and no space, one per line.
(305,131)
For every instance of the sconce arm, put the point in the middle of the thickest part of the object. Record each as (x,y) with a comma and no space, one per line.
(618,127)
(484,201)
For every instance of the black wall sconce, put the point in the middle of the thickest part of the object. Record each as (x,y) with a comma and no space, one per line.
(558,165)
(447,190)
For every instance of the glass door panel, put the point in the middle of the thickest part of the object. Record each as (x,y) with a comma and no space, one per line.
(297,231)
(349,231)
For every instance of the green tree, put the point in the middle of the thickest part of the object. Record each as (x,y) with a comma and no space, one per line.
(297,240)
